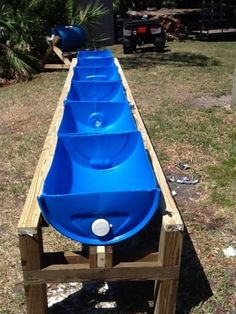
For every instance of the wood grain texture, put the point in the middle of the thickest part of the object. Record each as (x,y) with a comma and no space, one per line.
(29,219)
(60,55)
(83,272)
(54,66)
(170,248)
(171,216)
(31,249)
(36,299)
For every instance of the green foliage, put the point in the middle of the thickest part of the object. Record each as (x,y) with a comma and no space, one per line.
(24,24)
(87,15)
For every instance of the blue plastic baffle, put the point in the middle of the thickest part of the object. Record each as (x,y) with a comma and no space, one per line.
(96,117)
(96,91)
(95,54)
(109,73)
(71,37)
(96,61)
(100,189)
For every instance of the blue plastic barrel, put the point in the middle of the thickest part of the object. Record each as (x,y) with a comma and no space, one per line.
(108,73)
(95,54)
(100,189)
(72,37)
(96,117)
(96,61)
(96,91)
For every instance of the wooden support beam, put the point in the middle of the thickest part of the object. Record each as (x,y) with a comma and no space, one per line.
(53,48)
(83,272)
(52,66)
(100,256)
(59,53)
(170,248)
(31,250)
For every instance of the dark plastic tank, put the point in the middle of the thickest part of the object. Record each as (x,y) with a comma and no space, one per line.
(71,37)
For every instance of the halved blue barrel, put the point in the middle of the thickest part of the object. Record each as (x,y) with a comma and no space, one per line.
(96,117)
(96,61)
(95,54)
(109,73)
(72,37)
(96,91)
(100,189)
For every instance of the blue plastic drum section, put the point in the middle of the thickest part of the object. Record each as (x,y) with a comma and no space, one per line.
(96,61)
(103,178)
(96,117)
(71,37)
(101,188)
(96,91)
(108,73)
(95,54)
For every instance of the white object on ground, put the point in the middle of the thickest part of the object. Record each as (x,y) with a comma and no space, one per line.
(229,252)
(173,193)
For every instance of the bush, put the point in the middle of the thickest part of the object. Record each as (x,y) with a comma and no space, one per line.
(24,25)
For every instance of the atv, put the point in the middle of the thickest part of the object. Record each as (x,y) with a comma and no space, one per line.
(139,32)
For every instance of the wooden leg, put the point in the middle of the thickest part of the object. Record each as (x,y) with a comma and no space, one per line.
(166,297)
(100,256)
(170,248)
(36,299)
(31,249)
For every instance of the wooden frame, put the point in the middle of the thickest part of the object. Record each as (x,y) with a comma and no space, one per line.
(98,263)
(57,51)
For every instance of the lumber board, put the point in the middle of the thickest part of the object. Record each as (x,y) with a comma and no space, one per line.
(82,272)
(67,257)
(170,248)
(54,66)
(30,216)
(60,55)
(31,249)
(172,220)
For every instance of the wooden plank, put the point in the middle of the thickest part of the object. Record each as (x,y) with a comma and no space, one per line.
(92,256)
(171,216)
(108,256)
(67,257)
(59,53)
(36,299)
(31,250)
(29,219)
(55,66)
(82,272)
(170,248)
(52,258)
(100,256)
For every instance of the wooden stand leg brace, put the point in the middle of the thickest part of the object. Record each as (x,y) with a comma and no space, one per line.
(31,248)
(165,291)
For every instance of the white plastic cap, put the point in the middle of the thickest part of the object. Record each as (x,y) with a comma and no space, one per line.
(101,227)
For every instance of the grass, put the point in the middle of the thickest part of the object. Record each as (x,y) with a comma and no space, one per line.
(169,89)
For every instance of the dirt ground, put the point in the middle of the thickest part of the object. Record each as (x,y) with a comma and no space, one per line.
(184,98)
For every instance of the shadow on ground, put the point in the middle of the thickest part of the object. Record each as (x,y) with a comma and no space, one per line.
(217,36)
(147,58)
(137,297)
(194,287)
